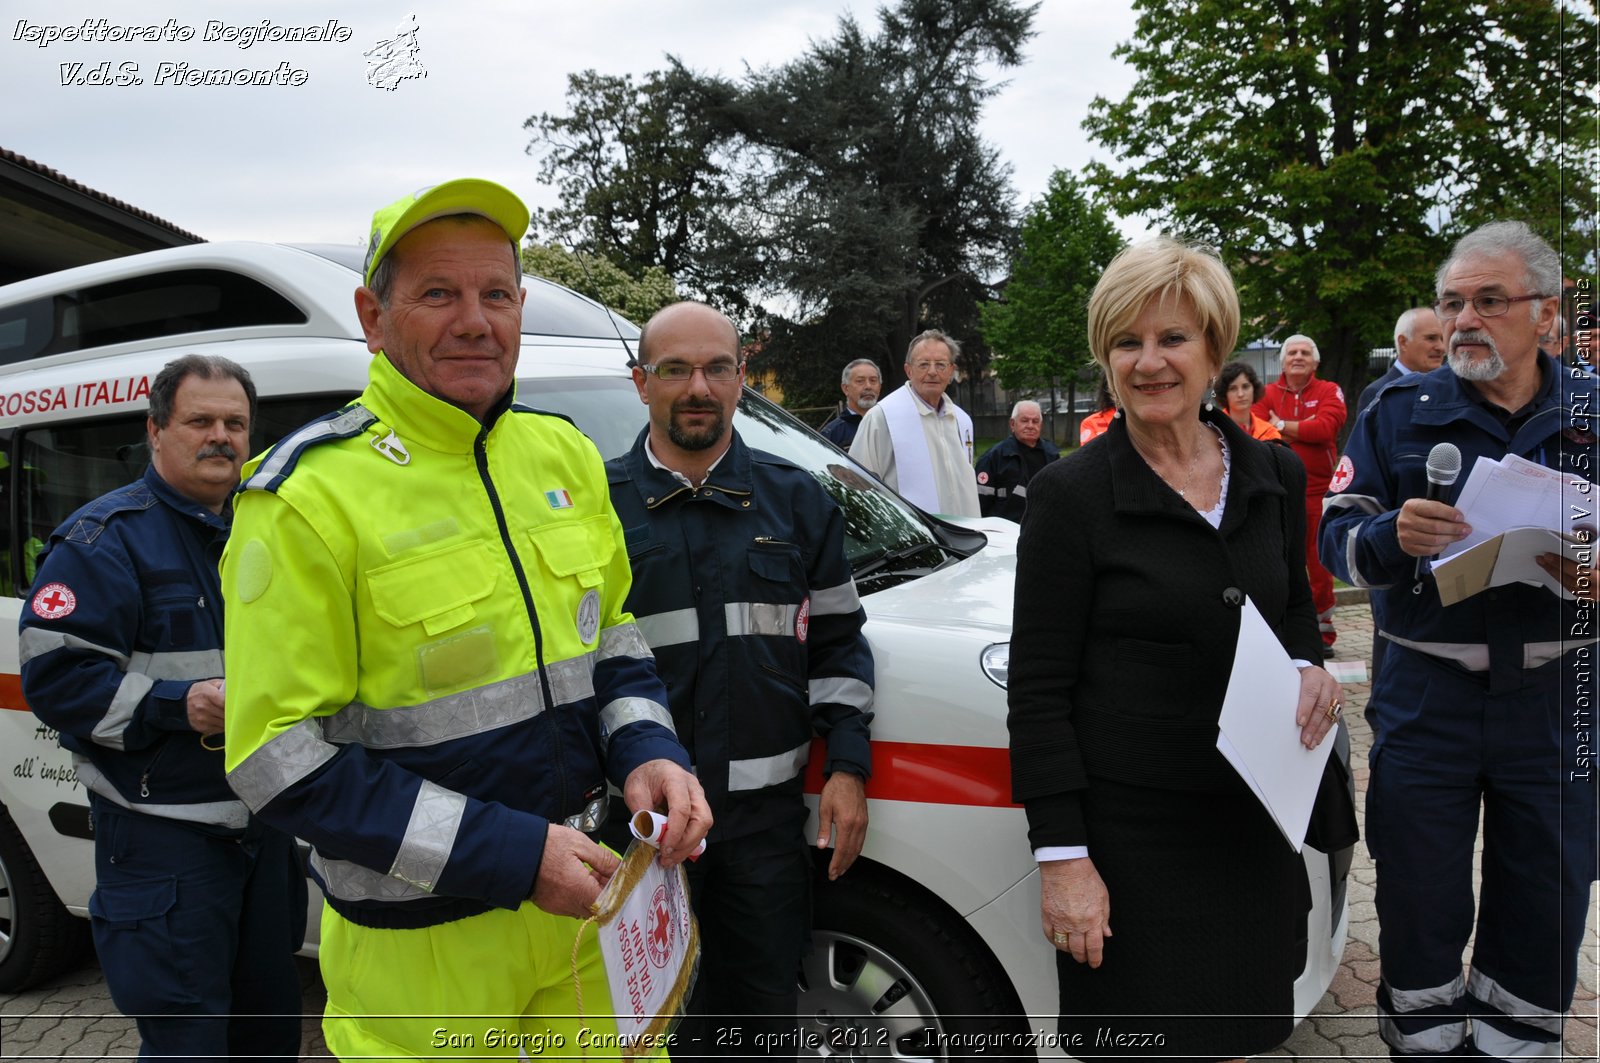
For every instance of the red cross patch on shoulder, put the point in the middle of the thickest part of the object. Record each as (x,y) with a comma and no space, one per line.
(54,601)
(1343,473)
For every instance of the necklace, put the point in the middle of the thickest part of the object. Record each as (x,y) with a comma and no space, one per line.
(1188,480)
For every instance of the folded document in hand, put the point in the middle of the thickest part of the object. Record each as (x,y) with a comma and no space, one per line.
(1509,557)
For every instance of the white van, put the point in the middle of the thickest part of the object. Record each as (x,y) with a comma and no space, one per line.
(930,946)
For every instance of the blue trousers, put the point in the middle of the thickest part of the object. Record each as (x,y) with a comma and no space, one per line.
(1447,748)
(752,897)
(197,934)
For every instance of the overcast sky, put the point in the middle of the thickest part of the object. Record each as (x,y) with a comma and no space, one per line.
(310,162)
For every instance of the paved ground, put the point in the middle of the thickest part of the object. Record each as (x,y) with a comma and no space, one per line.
(71,1017)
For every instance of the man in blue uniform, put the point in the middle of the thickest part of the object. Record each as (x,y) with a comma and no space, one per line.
(1484,704)
(861,383)
(742,590)
(1005,468)
(198,906)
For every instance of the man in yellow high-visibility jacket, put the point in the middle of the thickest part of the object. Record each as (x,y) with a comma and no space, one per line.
(430,672)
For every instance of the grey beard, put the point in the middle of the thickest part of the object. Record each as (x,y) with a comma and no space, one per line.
(1475,369)
(865,403)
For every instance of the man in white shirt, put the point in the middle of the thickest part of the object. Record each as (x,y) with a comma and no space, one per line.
(916,439)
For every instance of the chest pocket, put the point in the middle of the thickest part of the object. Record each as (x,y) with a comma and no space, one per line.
(575,549)
(437,590)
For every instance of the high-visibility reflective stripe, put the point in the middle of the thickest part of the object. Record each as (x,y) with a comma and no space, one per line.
(232,814)
(841,690)
(1369,505)
(36,641)
(1020,491)
(352,882)
(189,664)
(760,772)
(620,713)
(430,836)
(348,423)
(471,712)
(985,489)
(131,691)
(1434,1041)
(623,640)
(1474,656)
(1506,1002)
(1436,996)
(835,601)
(1493,1041)
(759,618)
(277,765)
(671,628)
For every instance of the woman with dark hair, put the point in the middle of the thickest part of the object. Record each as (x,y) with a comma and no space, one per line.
(1136,556)
(1236,390)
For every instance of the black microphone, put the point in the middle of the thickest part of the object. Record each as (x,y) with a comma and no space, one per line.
(1444,465)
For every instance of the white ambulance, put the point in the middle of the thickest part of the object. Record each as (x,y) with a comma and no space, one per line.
(929,947)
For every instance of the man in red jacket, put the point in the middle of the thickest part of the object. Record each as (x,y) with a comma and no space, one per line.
(1309,413)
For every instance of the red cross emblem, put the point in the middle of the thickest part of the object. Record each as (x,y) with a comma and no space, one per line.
(54,601)
(659,943)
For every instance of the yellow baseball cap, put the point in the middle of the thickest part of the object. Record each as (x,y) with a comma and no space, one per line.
(468,195)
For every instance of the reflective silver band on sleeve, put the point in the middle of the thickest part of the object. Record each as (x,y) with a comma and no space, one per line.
(350,881)
(985,489)
(231,814)
(430,836)
(671,628)
(1020,491)
(841,690)
(759,772)
(281,762)
(470,712)
(35,641)
(835,601)
(624,711)
(124,703)
(759,618)
(1369,505)
(1474,656)
(189,664)
(623,640)
(1506,1002)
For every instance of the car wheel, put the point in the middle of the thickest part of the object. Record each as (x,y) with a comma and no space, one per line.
(889,977)
(38,936)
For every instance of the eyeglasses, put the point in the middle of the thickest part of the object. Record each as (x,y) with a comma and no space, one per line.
(931,367)
(678,372)
(1483,305)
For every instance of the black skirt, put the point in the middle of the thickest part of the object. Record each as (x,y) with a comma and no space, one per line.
(1208,917)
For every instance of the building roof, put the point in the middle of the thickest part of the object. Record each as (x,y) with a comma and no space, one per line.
(48,222)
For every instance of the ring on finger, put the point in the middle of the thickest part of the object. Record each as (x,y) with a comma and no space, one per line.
(1335,709)
(1059,938)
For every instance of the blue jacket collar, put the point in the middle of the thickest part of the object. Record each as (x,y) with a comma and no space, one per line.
(730,483)
(181,503)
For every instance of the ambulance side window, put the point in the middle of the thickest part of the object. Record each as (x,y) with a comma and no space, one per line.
(60,467)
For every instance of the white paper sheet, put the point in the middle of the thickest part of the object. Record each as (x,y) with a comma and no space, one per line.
(1258,734)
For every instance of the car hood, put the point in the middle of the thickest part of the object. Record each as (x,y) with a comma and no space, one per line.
(970,595)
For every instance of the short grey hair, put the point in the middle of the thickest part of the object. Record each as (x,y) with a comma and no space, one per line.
(164,389)
(383,276)
(929,336)
(1300,337)
(1540,263)
(1020,403)
(844,377)
(1407,323)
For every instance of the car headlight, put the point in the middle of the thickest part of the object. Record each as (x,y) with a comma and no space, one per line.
(996,662)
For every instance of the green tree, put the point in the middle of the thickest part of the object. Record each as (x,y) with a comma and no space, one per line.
(637,170)
(602,280)
(1332,151)
(1039,329)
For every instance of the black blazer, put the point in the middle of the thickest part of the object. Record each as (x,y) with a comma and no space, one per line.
(1126,615)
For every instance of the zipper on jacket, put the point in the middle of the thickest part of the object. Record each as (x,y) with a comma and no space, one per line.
(481,454)
(144,777)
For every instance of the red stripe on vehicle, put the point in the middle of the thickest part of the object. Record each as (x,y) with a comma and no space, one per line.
(926,773)
(11,693)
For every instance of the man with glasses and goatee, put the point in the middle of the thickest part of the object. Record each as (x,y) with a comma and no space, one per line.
(743,592)
(1478,706)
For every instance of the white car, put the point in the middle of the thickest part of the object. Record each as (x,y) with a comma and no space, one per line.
(929,947)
